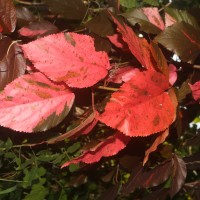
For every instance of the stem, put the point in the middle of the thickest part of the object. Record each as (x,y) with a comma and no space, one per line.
(30,3)
(108,88)
(7,180)
(196,66)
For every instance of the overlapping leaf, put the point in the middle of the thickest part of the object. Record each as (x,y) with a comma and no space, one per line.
(139,47)
(142,106)
(68,57)
(159,140)
(40,28)
(195,90)
(154,17)
(32,103)
(175,15)
(121,75)
(109,147)
(141,178)
(68,9)
(187,46)
(149,19)
(178,175)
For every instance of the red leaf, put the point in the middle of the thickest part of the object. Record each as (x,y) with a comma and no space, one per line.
(7,16)
(107,148)
(12,61)
(122,74)
(159,140)
(139,47)
(195,90)
(72,58)
(32,103)
(141,107)
(154,17)
(40,28)
(85,126)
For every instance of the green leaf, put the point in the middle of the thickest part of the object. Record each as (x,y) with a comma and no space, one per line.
(63,195)
(128,3)
(183,39)
(73,167)
(152,2)
(38,192)
(75,147)
(11,189)
(8,144)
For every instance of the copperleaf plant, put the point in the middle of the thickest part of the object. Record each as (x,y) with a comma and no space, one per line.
(143,103)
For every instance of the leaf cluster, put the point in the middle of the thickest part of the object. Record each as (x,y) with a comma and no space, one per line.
(99,99)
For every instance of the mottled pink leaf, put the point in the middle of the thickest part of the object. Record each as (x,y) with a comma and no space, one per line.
(32,103)
(195,90)
(40,28)
(139,47)
(68,57)
(109,147)
(172,74)
(122,74)
(142,106)
(154,17)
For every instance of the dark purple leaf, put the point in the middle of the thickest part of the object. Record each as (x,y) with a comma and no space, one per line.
(151,178)
(12,61)
(68,9)
(35,29)
(24,16)
(187,46)
(7,16)
(101,25)
(178,175)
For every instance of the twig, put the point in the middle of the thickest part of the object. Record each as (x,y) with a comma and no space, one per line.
(196,66)
(30,3)
(167,5)
(108,88)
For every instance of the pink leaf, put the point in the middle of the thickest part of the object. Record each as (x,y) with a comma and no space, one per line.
(40,28)
(122,74)
(68,57)
(169,20)
(107,148)
(142,106)
(139,47)
(195,90)
(33,103)
(154,17)
(116,39)
(172,74)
